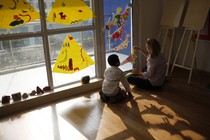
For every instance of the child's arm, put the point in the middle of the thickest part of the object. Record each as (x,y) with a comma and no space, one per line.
(130,95)
(126,85)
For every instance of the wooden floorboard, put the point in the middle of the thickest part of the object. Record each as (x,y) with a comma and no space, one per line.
(178,112)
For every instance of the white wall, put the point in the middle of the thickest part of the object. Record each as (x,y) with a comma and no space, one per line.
(202,55)
(150,13)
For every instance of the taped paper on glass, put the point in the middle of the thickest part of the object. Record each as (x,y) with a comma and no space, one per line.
(72,57)
(69,12)
(14,13)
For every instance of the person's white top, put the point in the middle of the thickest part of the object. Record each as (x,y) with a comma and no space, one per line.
(156,70)
(112,78)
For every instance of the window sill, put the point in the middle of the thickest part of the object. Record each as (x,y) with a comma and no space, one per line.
(50,97)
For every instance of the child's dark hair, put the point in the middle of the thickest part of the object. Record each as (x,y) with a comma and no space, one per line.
(155,46)
(113,60)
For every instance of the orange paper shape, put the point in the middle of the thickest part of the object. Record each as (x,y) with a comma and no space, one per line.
(72,57)
(128,59)
(69,12)
(14,13)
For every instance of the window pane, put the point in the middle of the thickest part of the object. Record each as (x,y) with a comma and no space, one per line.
(118,29)
(6,60)
(23,81)
(22,61)
(86,41)
(21,52)
(52,25)
(22,65)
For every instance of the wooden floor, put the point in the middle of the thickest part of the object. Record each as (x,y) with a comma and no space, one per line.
(178,112)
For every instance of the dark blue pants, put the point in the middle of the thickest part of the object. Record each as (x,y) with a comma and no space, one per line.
(120,96)
(142,83)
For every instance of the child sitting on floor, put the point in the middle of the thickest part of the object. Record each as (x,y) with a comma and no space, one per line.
(111,92)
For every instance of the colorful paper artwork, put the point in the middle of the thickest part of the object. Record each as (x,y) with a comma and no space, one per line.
(118,33)
(123,45)
(128,59)
(133,54)
(16,12)
(115,20)
(72,57)
(119,17)
(69,12)
(119,20)
(131,58)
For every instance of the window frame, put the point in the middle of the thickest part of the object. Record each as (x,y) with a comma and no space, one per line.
(97,27)
(100,57)
(44,33)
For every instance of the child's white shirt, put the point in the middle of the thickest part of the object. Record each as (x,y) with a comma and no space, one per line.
(112,78)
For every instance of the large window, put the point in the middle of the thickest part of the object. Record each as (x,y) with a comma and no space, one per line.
(29,52)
